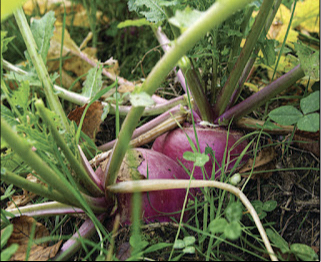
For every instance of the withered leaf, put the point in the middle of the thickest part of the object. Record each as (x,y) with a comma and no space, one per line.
(263,161)
(92,119)
(22,227)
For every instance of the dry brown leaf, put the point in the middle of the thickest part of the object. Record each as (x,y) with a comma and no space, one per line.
(92,119)
(26,197)
(75,13)
(22,227)
(263,161)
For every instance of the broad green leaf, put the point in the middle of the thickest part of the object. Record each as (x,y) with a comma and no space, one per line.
(199,159)
(233,230)
(93,82)
(285,115)
(277,240)
(310,103)
(310,122)
(218,225)
(179,244)
(190,240)
(309,60)
(234,212)
(269,205)
(304,252)
(152,10)
(137,22)
(184,19)
(141,99)
(42,30)
(189,250)
(8,252)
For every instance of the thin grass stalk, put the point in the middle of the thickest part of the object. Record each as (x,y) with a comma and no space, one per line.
(224,99)
(216,14)
(165,184)
(40,67)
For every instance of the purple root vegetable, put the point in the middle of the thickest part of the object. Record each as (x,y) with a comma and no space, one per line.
(157,206)
(174,143)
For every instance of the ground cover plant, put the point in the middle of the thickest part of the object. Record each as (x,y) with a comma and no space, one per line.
(188,184)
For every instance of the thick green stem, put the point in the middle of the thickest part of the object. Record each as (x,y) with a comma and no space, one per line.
(82,177)
(40,67)
(23,149)
(41,190)
(224,98)
(215,15)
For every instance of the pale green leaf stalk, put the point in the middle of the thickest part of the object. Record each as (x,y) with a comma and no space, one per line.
(215,15)
(40,67)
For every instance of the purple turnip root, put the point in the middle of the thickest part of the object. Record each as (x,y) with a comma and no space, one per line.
(174,143)
(157,206)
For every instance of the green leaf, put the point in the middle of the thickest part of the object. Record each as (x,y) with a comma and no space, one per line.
(93,82)
(310,122)
(7,115)
(141,99)
(310,103)
(233,230)
(309,60)
(156,247)
(218,225)
(152,10)
(304,252)
(189,250)
(137,22)
(234,212)
(269,205)
(8,252)
(42,30)
(268,52)
(5,234)
(277,240)
(285,115)
(199,159)
(179,244)
(5,41)
(20,97)
(190,240)
(184,19)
